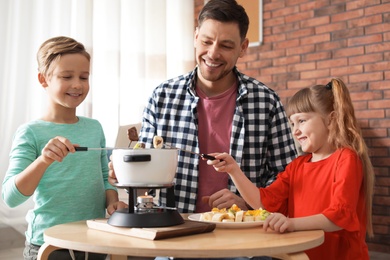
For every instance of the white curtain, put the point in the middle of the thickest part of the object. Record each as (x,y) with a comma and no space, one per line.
(135,45)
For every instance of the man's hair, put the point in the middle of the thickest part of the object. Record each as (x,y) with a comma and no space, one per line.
(225,11)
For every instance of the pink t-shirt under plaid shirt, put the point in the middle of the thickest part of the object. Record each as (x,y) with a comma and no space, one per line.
(215,127)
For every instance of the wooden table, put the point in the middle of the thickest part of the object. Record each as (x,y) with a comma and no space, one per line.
(219,243)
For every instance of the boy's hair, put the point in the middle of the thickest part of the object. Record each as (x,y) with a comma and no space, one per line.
(225,11)
(334,99)
(53,48)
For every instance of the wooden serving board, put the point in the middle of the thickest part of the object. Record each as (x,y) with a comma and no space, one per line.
(188,228)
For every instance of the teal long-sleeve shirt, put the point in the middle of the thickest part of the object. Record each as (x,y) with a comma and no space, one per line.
(71,190)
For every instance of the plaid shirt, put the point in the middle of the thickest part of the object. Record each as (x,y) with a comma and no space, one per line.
(261,140)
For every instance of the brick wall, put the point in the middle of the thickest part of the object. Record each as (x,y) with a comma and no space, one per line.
(308,42)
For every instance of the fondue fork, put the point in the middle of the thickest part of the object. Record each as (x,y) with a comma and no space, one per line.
(205,156)
(84,149)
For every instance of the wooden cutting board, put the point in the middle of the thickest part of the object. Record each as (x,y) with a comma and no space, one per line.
(188,228)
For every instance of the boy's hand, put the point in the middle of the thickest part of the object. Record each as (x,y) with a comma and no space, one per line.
(111,173)
(115,206)
(56,150)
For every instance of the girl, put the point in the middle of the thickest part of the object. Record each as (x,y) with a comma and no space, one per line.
(66,186)
(330,187)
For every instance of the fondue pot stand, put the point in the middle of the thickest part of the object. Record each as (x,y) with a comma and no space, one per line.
(148,169)
(137,215)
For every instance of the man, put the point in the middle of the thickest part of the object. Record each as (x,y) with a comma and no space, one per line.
(215,108)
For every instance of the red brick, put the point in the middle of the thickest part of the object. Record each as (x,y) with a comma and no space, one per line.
(380,85)
(315,39)
(300,33)
(379,132)
(276,38)
(375,104)
(359,105)
(377,123)
(286,60)
(285,11)
(272,54)
(270,6)
(299,16)
(300,50)
(287,93)
(348,33)
(254,73)
(368,95)
(347,52)
(311,5)
(380,66)
(301,66)
(331,45)
(364,40)
(379,151)
(262,63)
(332,63)
(379,47)
(348,70)
(274,21)
(377,9)
(273,70)
(346,16)
(361,3)
(300,84)
(364,21)
(324,55)
(378,28)
(285,77)
(315,22)
(285,28)
(373,76)
(380,161)
(315,74)
(331,27)
(386,37)
(287,44)
(377,113)
(365,59)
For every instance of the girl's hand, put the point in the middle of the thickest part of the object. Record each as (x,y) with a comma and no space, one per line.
(224,163)
(56,150)
(279,223)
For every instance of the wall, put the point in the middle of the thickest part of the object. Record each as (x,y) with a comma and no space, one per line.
(308,42)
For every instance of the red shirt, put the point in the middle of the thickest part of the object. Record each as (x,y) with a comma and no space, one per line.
(333,187)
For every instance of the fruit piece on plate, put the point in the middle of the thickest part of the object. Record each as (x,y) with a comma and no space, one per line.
(218,217)
(239,216)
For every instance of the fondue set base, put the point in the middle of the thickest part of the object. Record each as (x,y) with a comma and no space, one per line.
(144,213)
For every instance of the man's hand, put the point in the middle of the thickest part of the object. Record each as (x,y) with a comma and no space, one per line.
(225,199)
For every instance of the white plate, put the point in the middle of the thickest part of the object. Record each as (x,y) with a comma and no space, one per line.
(196,217)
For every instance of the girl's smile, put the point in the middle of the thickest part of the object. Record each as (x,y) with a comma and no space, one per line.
(311,131)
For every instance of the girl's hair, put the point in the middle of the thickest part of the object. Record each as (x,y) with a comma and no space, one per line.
(53,48)
(225,11)
(334,99)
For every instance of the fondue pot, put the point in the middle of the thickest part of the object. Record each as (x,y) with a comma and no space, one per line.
(145,166)
(145,169)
